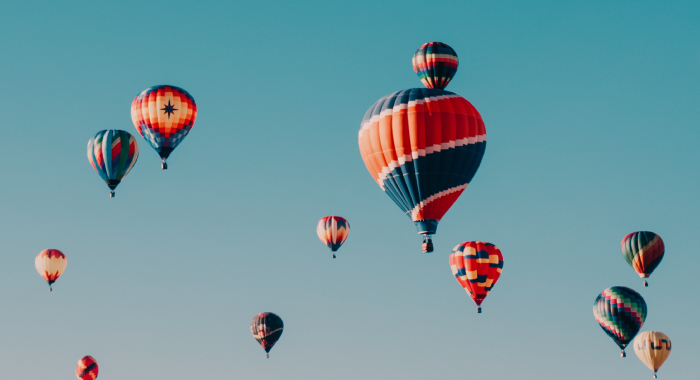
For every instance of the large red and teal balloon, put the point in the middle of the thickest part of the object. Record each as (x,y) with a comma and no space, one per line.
(477,266)
(267,329)
(112,153)
(423,147)
(436,64)
(620,312)
(164,115)
(643,251)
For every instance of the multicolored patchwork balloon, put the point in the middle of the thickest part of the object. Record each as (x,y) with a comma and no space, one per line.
(164,115)
(267,329)
(87,368)
(112,153)
(436,64)
(333,231)
(423,147)
(620,312)
(652,348)
(50,263)
(477,266)
(643,251)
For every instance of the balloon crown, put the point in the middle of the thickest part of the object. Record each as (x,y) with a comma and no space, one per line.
(436,64)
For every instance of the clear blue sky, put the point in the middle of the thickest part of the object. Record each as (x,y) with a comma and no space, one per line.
(592,118)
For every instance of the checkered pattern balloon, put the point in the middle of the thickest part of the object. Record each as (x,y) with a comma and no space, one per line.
(50,263)
(112,153)
(333,230)
(164,115)
(643,251)
(422,147)
(87,368)
(436,64)
(620,312)
(267,329)
(477,266)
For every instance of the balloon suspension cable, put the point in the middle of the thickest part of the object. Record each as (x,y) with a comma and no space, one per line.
(646,283)
(478,309)
(111,194)
(427,244)
(164,165)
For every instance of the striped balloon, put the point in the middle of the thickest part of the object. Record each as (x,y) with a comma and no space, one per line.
(477,266)
(422,147)
(333,231)
(50,263)
(87,368)
(164,115)
(112,153)
(620,312)
(267,329)
(652,348)
(643,251)
(436,64)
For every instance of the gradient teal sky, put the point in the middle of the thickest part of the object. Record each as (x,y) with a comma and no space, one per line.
(591,111)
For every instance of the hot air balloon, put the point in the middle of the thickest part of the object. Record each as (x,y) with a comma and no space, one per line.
(112,153)
(267,329)
(164,115)
(476,265)
(620,312)
(50,263)
(643,251)
(87,368)
(333,231)
(436,64)
(423,147)
(652,348)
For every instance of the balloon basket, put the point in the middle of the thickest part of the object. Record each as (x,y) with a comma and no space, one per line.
(267,356)
(111,194)
(623,354)
(163,165)
(334,255)
(478,309)
(427,245)
(646,284)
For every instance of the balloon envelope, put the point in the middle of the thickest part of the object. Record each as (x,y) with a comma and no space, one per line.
(477,266)
(643,251)
(87,368)
(50,263)
(164,115)
(333,231)
(112,153)
(422,147)
(652,348)
(620,312)
(267,329)
(436,64)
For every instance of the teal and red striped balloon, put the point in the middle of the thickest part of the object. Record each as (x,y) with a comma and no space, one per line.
(620,312)
(643,251)
(333,231)
(436,64)
(112,153)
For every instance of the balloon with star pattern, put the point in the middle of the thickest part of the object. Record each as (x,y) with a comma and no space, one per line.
(164,115)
